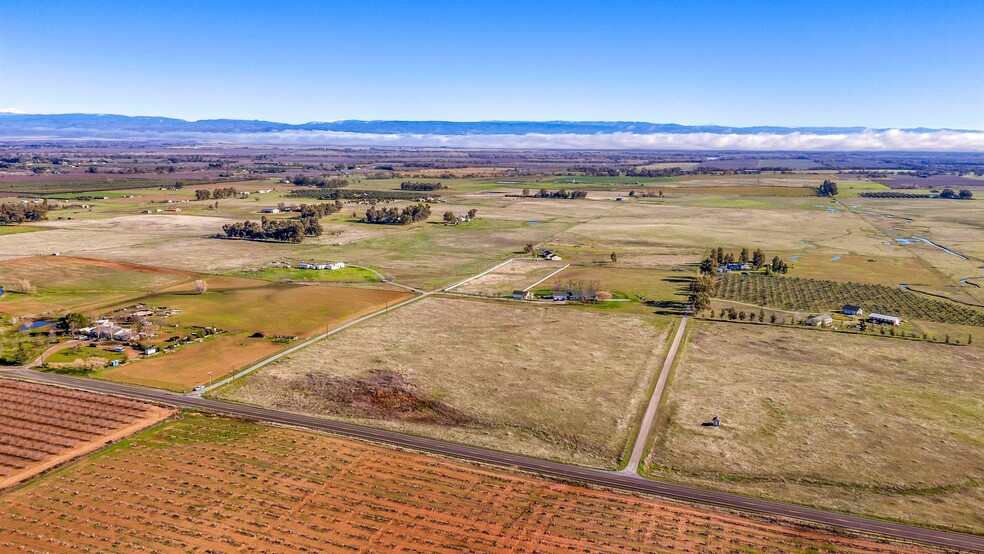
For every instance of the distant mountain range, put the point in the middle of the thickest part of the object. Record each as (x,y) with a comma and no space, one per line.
(109,125)
(485,134)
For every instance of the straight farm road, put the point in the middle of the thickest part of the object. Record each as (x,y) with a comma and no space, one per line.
(646,427)
(616,480)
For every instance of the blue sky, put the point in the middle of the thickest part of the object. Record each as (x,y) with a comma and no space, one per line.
(878,64)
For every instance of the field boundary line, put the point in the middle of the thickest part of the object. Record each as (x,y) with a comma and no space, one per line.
(308,342)
(547,277)
(473,277)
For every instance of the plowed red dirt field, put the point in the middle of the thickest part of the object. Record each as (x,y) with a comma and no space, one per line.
(42,426)
(202,484)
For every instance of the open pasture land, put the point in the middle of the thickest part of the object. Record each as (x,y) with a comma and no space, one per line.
(192,365)
(251,305)
(215,485)
(65,283)
(348,274)
(903,269)
(493,373)
(43,426)
(515,275)
(875,426)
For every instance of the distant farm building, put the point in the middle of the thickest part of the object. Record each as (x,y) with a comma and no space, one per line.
(270,211)
(885,319)
(328,266)
(522,295)
(726,268)
(850,309)
(822,320)
(108,331)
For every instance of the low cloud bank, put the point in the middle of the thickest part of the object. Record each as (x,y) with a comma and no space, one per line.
(890,140)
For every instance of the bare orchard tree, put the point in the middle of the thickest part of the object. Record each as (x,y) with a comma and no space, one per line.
(25,286)
(201,286)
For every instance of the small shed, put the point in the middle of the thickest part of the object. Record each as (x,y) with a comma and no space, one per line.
(851,309)
(522,295)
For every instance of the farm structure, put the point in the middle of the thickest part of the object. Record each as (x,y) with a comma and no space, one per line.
(43,426)
(822,320)
(850,309)
(329,266)
(885,319)
(209,484)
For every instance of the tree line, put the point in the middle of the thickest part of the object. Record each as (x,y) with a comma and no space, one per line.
(281,230)
(16,213)
(357,194)
(756,260)
(395,216)
(411,185)
(215,194)
(321,182)
(562,193)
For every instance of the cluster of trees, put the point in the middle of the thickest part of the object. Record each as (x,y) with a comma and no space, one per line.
(562,193)
(319,182)
(317,211)
(756,260)
(282,230)
(215,194)
(701,290)
(827,188)
(411,185)
(449,216)
(16,213)
(357,194)
(396,216)
(964,194)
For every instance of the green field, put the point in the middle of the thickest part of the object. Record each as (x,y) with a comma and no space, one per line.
(348,274)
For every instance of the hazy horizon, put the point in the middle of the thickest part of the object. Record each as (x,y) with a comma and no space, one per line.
(874,65)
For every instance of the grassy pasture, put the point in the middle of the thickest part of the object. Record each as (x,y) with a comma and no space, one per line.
(72,354)
(490,373)
(15,229)
(880,427)
(249,305)
(348,274)
(65,283)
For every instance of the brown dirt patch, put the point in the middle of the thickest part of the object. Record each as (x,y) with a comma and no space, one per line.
(378,394)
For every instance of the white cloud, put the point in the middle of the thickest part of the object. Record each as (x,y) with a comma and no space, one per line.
(888,140)
(11,110)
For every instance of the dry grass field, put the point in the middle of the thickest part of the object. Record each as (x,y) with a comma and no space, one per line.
(557,383)
(214,485)
(190,366)
(65,283)
(43,426)
(882,427)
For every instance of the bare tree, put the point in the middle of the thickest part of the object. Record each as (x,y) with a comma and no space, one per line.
(201,286)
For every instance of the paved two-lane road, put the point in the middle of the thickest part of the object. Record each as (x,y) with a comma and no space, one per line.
(556,469)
